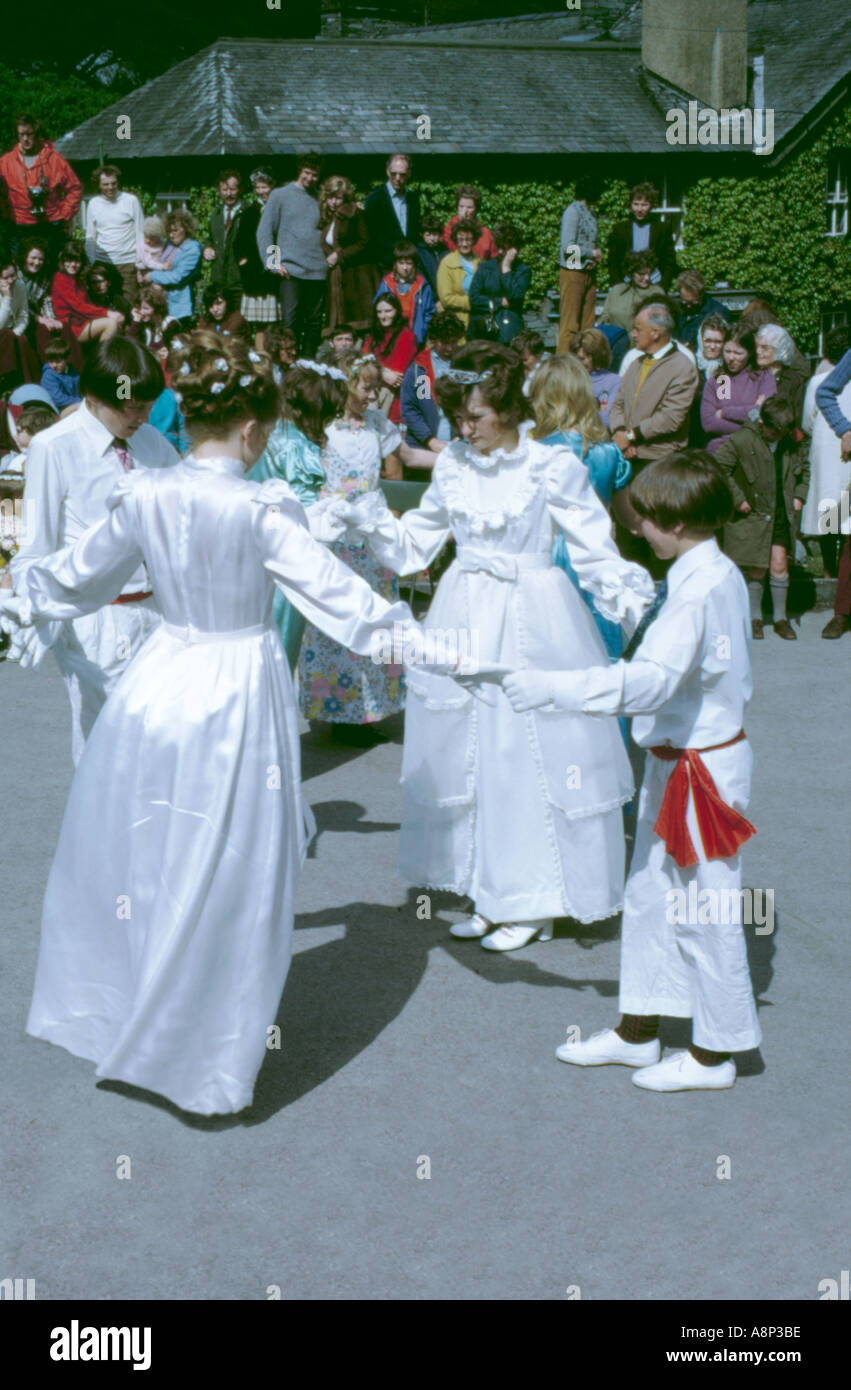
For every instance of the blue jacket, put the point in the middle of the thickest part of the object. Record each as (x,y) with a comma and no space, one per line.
(63,388)
(691,319)
(420,413)
(423,304)
(185,269)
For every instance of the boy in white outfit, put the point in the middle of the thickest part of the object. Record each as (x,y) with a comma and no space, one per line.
(682,947)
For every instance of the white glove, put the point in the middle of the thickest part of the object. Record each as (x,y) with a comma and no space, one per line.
(428,650)
(15,613)
(563,690)
(30,645)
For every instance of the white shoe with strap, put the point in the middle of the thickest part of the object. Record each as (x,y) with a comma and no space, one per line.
(512,935)
(471,927)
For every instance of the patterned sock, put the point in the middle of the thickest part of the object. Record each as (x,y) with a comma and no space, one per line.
(708,1059)
(755,588)
(638,1028)
(779,586)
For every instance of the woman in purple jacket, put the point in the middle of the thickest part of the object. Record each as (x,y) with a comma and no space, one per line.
(733,392)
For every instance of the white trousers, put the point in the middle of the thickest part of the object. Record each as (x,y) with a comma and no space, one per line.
(93,653)
(682,944)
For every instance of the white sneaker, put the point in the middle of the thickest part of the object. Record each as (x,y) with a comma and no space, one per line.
(471,927)
(681,1072)
(608,1046)
(516,934)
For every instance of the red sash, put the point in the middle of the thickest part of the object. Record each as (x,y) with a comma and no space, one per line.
(134,598)
(722,829)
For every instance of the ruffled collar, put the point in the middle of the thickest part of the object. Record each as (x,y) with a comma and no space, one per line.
(487,462)
(479,520)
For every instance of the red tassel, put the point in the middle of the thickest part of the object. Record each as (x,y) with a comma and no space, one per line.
(722,829)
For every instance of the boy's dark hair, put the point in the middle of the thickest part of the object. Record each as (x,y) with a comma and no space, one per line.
(587,186)
(35,418)
(445,328)
(430,222)
(836,342)
(645,190)
(777,414)
(309,160)
(111,365)
(340,328)
(404,250)
(528,339)
(277,336)
(57,350)
(687,487)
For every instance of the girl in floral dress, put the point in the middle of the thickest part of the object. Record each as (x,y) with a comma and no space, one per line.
(335,685)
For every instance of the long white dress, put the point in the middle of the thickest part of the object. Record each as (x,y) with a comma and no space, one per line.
(167,925)
(520,811)
(830,474)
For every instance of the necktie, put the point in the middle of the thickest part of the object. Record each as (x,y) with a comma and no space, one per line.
(646,364)
(638,636)
(227,220)
(123,452)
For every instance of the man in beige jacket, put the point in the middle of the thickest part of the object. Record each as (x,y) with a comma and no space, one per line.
(649,417)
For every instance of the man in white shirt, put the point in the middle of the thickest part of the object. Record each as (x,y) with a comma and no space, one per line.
(682,950)
(114,226)
(71,470)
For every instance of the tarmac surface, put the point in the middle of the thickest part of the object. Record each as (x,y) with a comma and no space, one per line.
(405,1052)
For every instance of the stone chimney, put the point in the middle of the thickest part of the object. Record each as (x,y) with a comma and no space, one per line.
(699,46)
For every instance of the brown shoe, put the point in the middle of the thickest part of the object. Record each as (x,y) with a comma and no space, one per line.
(757,630)
(784,629)
(836,627)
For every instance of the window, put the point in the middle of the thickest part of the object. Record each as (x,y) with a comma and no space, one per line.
(671,207)
(170,202)
(831,318)
(836,196)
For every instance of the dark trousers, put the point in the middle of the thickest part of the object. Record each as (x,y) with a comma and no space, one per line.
(302,305)
(842,605)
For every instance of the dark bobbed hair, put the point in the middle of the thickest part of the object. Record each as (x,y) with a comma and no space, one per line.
(506,235)
(502,389)
(277,336)
(430,222)
(312,401)
(467,225)
(639,260)
(404,250)
(56,350)
(70,252)
(445,328)
(530,339)
(115,285)
(778,414)
(743,334)
(214,292)
(836,342)
(248,389)
(109,366)
(688,487)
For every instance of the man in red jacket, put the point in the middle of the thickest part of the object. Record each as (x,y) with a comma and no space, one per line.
(41,192)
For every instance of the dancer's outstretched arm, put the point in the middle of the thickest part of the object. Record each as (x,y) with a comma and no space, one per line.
(622,590)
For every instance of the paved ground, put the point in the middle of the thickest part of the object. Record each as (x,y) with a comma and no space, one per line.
(400,1044)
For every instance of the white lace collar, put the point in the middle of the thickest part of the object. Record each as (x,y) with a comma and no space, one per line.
(481,521)
(467,454)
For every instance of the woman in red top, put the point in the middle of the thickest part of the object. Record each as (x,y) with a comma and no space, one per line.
(72,305)
(394,346)
(467,199)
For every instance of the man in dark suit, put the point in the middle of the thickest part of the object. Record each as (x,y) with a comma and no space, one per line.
(638,233)
(392,213)
(224,224)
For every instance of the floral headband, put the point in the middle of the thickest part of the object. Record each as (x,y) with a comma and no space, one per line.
(361,362)
(467,378)
(320,368)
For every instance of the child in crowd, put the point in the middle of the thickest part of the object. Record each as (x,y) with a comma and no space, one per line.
(150,317)
(337,340)
(153,252)
(769,475)
(410,288)
(688,686)
(431,249)
(530,345)
(58,378)
(280,344)
(31,421)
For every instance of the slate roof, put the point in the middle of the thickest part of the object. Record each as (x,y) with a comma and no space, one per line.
(503,95)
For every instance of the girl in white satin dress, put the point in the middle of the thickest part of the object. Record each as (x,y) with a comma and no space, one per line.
(522,812)
(167,926)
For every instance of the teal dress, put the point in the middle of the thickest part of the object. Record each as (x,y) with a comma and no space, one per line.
(609,471)
(290,455)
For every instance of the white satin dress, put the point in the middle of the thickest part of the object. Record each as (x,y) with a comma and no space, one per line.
(168,918)
(520,811)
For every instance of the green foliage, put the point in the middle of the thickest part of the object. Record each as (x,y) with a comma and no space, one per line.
(62,103)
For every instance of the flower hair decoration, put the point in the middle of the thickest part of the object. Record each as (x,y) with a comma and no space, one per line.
(220,364)
(216,387)
(308,365)
(253,356)
(361,362)
(185,369)
(246,379)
